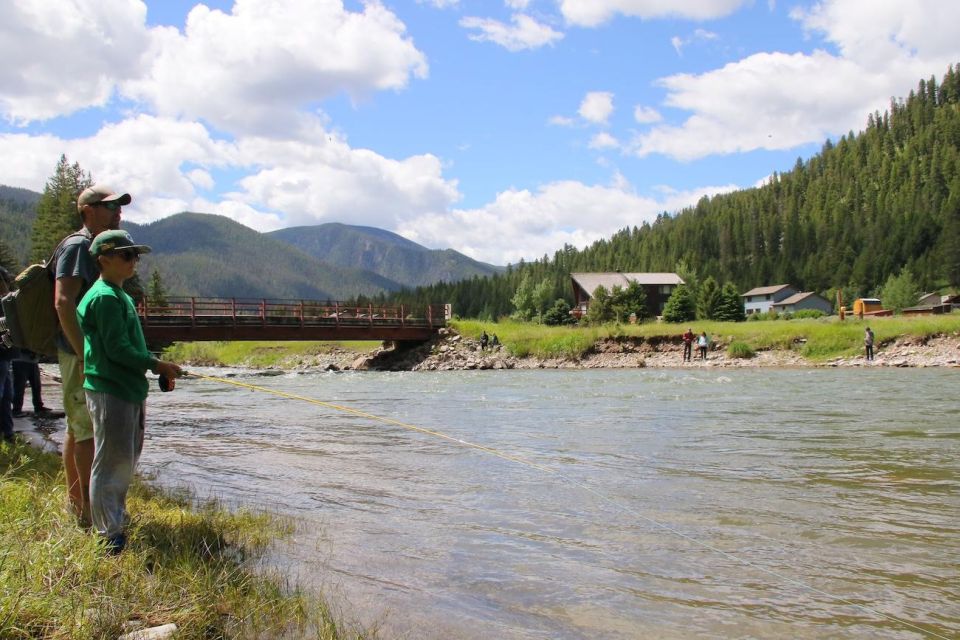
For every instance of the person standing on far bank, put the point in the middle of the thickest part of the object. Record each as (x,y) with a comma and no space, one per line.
(868,343)
(99,207)
(115,362)
(688,345)
(703,343)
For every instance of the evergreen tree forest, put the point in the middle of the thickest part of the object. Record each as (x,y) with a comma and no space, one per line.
(862,210)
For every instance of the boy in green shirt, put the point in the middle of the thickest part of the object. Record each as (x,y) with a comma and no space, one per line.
(115,361)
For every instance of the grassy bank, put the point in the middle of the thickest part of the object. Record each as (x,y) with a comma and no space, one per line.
(260,354)
(817,339)
(188,565)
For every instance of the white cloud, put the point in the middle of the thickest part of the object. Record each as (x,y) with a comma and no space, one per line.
(780,101)
(561,121)
(60,57)
(318,180)
(591,13)
(540,222)
(699,35)
(440,4)
(523,33)
(603,140)
(517,5)
(646,115)
(596,107)
(254,70)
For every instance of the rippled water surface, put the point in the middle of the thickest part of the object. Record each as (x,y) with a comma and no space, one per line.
(662,503)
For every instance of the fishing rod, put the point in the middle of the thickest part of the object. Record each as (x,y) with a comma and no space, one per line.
(168,384)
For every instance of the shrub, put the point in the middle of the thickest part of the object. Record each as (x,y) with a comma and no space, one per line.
(740,350)
(808,313)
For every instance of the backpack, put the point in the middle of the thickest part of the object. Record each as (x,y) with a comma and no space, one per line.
(29,314)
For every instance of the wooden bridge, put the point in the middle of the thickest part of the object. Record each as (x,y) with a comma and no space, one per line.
(206,319)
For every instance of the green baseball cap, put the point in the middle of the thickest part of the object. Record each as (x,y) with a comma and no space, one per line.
(114,240)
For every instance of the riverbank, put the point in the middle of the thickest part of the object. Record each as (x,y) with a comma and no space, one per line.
(189,564)
(453,351)
(932,341)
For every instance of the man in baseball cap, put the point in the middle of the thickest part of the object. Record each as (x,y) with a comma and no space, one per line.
(101,193)
(75,271)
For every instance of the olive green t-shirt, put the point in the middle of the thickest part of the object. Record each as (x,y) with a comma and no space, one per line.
(115,356)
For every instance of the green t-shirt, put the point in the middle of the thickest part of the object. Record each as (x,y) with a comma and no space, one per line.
(115,356)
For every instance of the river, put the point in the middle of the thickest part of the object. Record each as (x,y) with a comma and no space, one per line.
(667,503)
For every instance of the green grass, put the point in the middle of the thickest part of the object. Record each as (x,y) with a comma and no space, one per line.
(740,350)
(258,354)
(818,339)
(186,564)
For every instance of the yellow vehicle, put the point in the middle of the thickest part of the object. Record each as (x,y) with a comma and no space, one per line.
(868,306)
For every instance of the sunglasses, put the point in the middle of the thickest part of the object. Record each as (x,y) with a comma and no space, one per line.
(112,205)
(129,255)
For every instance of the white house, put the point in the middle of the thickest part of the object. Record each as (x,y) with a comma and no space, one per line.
(801,301)
(761,299)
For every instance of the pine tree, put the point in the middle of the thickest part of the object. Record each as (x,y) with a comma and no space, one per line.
(7,260)
(731,305)
(679,307)
(57,214)
(156,291)
(711,298)
(950,241)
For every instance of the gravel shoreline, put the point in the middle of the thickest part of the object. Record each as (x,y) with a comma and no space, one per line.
(452,352)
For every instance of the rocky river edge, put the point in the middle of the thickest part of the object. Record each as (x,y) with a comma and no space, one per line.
(452,352)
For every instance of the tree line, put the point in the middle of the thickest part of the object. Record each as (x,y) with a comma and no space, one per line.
(862,214)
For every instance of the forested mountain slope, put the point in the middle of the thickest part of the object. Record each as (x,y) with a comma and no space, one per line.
(854,214)
(382,252)
(211,255)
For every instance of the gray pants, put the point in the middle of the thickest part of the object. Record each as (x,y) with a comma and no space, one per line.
(118,428)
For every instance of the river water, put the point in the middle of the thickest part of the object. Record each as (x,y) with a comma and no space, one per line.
(685,503)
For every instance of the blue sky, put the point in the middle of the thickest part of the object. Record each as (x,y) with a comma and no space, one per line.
(500,128)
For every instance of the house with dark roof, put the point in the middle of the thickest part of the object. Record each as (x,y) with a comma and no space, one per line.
(761,299)
(801,301)
(657,286)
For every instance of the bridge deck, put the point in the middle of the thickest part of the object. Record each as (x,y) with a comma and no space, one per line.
(203,319)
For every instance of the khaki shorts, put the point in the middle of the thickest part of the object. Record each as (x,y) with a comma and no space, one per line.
(79,423)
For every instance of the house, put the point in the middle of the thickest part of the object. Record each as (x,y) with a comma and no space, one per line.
(761,299)
(657,286)
(929,300)
(801,301)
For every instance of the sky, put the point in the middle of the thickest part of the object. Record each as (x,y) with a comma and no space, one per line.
(503,129)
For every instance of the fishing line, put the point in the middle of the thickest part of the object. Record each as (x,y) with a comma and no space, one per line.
(576,483)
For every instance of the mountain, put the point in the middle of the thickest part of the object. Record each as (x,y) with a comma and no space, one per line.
(210,255)
(18,210)
(384,253)
(872,206)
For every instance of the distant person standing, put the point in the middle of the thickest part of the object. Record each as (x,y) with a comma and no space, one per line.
(484,339)
(703,343)
(115,361)
(868,343)
(687,345)
(26,371)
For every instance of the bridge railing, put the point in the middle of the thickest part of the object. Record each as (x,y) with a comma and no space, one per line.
(195,311)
